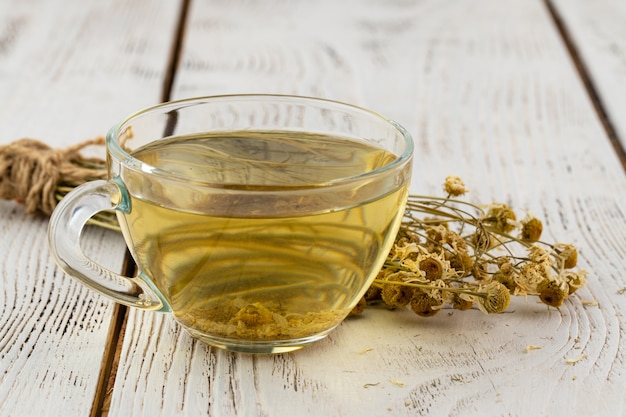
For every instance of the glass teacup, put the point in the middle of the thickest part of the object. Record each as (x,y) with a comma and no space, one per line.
(258,221)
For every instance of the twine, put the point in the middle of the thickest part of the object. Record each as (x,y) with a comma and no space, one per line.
(31,171)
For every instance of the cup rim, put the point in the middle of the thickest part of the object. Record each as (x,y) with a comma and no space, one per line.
(129,161)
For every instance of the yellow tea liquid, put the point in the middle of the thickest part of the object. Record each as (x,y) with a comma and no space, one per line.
(262,276)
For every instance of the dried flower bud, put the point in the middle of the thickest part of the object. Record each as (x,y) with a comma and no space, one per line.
(506,273)
(394,294)
(454,186)
(507,280)
(501,217)
(425,305)
(575,280)
(432,267)
(359,308)
(531,274)
(531,229)
(505,265)
(553,293)
(456,241)
(497,298)
(405,236)
(384,273)
(539,255)
(480,270)
(460,261)
(437,234)
(373,293)
(404,250)
(568,253)
(253,315)
(460,303)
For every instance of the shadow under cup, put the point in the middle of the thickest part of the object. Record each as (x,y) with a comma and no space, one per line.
(258,221)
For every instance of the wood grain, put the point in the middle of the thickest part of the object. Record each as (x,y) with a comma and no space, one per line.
(597,33)
(91,64)
(68,71)
(54,330)
(490,93)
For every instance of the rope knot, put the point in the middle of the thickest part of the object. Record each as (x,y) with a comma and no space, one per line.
(30,172)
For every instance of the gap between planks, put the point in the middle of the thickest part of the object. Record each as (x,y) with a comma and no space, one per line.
(590,88)
(110,362)
(115,338)
(176,51)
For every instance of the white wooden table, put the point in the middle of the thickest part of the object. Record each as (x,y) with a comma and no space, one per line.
(525,99)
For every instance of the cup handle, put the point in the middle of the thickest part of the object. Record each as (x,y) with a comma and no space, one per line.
(64,232)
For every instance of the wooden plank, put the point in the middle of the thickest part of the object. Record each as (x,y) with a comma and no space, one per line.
(68,71)
(54,330)
(489,92)
(597,34)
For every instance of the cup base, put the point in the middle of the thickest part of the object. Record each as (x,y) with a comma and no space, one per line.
(255,346)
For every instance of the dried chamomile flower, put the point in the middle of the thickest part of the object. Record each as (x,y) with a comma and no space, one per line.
(405,236)
(568,253)
(501,217)
(447,240)
(253,315)
(530,276)
(359,308)
(424,304)
(508,281)
(437,234)
(461,262)
(497,298)
(505,265)
(459,302)
(507,274)
(405,250)
(394,294)
(373,294)
(454,186)
(456,241)
(480,271)
(553,292)
(575,280)
(540,255)
(385,273)
(532,228)
(432,266)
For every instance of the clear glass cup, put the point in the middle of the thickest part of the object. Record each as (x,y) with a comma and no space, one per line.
(258,221)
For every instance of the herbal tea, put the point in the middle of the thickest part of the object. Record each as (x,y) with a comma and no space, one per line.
(294,265)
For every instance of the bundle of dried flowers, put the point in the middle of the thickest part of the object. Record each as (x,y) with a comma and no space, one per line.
(463,255)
